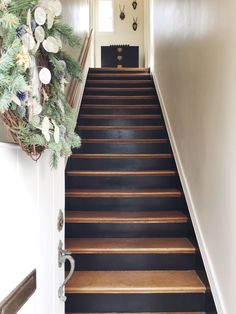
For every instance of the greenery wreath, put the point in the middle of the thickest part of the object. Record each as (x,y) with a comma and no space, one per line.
(34,71)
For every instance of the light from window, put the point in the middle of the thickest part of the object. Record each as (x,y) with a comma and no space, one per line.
(105,16)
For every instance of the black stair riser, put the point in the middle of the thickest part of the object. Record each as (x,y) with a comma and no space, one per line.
(112,70)
(102,262)
(118,78)
(122,134)
(122,164)
(123,182)
(120,93)
(174,302)
(111,101)
(124,148)
(128,203)
(120,84)
(122,111)
(210,304)
(121,122)
(101,230)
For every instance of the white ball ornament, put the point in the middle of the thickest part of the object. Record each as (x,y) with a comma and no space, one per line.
(45,76)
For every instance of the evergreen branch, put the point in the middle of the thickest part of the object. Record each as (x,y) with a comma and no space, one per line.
(20,7)
(7,60)
(66,33)
(5,101)
(9,21)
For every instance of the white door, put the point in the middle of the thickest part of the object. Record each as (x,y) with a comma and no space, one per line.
(50,275)
(32,194)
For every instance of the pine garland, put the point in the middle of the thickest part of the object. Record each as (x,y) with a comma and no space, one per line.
(66,34)
(44,120)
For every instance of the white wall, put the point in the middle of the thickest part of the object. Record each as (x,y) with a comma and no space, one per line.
(123,31)
(195,67)
(31,196)
(76,14)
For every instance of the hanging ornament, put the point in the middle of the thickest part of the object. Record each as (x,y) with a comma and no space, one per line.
(35,121)
(21,111)
(51,44)
(40,16)
(46,128)
(36,108)
(62,130)
(134,4)
(16,100)
(56,132)
(50,19)
(122,13)
(135,24)
(20,31)
(28,41)
(39,34)
(55,7)
(45,76)
(33,25)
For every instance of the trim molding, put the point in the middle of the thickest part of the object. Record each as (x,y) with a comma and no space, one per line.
(19,296)
(192,209)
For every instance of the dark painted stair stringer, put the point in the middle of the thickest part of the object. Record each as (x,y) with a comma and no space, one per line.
(127,222)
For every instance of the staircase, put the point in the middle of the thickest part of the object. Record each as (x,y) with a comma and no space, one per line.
(127,223)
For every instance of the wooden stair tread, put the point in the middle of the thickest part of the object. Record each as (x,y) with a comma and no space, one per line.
(121,127)
(123,106)
(123,69)
(114,116)
(133,82)
(118,74)
(124,193)
(119,89)
(126,217)
(126,97)
(121,156)
(114,173)
(147,313)
(129,245)
(127,282)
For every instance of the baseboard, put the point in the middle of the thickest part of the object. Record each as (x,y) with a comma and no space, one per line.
(192,209)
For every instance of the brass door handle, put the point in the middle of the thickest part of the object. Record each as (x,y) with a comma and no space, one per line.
(64,256)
